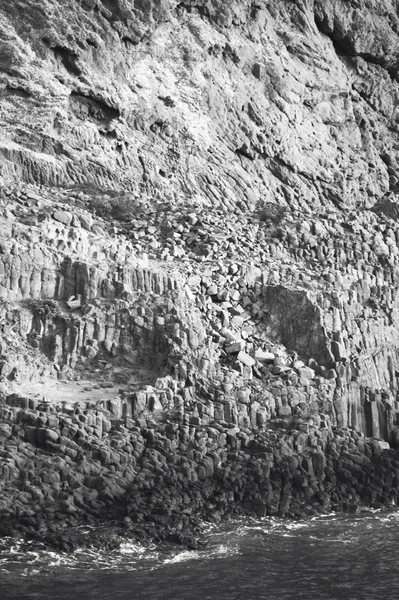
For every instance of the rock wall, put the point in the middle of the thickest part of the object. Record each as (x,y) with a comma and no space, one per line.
(198,261)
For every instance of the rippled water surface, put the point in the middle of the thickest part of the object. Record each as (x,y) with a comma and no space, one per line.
(326,558)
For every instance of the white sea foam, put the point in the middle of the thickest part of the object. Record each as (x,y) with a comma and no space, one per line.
(330,516)
(182,557)
(224,550)
(220,551)
(131,548)
(295,525)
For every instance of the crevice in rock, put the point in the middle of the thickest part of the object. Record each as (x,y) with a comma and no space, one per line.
(254,10)
(113,7)
(253,115)
(68,58)
(167,100)
(159,126)
(108,134)
(366,98)
(386,206)
(9,71)
(142,162)
(16,92)
(203,11)
(230,53)
(85,107)
(344,47)
(245,151)
(392,172)
(130,41)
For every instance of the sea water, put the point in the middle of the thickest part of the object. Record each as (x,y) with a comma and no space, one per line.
(324,558)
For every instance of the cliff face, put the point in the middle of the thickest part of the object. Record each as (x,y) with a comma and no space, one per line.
(210,103)
(198,258)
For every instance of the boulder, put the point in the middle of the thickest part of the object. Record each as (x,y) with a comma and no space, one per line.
(63,216)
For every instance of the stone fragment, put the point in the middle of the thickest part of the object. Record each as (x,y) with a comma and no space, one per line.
(278,369)
(90,352)
(299,364)
(235,295)
(257,70)
(212,290)
(237,322)
(235,347)
(383,445)
(224,317)
(285,411)
(86,221)
(63,216)
(338,350)
(306,373)
(189,293)
(74,302)
(115,408)
(51,435)
(246,332)
(5,432)
(264,356)
(229,334)
(247,371)
(97,230)
(33,196)
(247,360)
(194,281)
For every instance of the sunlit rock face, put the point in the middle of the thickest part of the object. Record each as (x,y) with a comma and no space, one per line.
(199,260)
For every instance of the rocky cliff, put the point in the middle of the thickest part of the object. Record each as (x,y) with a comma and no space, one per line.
(198,261)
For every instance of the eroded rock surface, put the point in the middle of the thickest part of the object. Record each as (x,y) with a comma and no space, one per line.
(198,262)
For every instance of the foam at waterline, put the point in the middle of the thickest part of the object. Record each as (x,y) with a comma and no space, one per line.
(332,540)
(221,551)
(129,556)
(132,548)
(271,527)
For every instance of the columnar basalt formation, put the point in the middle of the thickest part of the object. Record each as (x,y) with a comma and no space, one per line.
(198,262)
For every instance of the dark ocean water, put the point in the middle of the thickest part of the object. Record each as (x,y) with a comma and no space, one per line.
(325,558)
